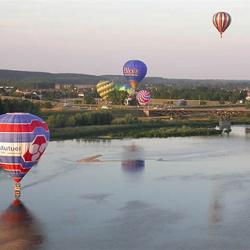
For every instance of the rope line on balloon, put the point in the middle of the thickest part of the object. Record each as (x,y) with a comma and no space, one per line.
(17,190)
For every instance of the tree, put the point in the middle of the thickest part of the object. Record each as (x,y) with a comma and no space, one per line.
(71,121)
(60,121)
(89,99)
(51,121)
(117,97)
(8,105)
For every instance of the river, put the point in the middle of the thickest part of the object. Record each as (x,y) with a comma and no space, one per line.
(140,194)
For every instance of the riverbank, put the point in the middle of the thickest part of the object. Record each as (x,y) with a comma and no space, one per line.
(244,120)
(151,129)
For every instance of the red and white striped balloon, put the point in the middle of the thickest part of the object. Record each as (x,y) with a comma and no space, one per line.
(221,21)
(143,97)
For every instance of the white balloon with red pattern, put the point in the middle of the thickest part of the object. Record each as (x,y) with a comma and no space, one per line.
(143,97)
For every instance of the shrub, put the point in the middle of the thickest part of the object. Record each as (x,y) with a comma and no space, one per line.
(128,119)
(47,105)
(247,105)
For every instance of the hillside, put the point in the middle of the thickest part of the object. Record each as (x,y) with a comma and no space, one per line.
(43,79)
(24,79)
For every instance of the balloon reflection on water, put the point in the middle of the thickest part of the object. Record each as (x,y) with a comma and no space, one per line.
(19,229)
(133,159)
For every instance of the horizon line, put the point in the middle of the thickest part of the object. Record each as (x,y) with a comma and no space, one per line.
(174,78)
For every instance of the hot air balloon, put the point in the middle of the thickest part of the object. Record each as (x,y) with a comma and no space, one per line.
(133,84)
(143,97)
(104,88)
(124,87)
(23,140)
(134,71)
(221,21)
(19,229)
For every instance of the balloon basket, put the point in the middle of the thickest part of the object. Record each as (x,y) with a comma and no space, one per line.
(17,190)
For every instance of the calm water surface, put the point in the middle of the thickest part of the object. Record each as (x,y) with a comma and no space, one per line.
(177,193)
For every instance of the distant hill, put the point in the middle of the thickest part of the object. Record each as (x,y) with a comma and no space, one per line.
(43,79)
(26,79)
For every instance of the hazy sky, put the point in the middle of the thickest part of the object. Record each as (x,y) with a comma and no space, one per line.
(175,38)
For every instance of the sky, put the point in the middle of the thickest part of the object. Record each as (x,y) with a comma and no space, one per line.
(175,38)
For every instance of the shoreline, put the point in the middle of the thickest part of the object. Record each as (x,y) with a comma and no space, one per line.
(138,130)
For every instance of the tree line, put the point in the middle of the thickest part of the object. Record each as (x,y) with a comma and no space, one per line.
(13,105)
(79,119)
(198,93)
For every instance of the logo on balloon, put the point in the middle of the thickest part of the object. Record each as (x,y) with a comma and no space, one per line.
(36,150)
(6,149)
(130,71)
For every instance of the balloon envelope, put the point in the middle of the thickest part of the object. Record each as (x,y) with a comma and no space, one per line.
(133,84)
(23,140)
(123,87)
(221,21)
(103,88)
(134,70)
(143,97)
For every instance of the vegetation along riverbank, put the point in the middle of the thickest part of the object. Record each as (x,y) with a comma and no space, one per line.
(128,131)
(117,123)
(136,129)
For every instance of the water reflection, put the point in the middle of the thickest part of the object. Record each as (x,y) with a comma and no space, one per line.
(19,229)
(216,206)
(94,141)
(133,158)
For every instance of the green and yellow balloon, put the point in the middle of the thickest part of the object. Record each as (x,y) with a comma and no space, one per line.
(105,87)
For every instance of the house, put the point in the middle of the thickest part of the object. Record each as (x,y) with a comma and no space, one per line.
(248,96)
